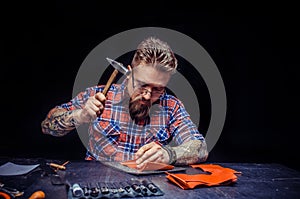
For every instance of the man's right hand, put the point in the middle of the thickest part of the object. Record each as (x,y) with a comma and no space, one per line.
(93,107)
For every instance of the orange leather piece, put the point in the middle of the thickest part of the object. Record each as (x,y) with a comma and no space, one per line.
(149,166)
(218,175)
(5,195)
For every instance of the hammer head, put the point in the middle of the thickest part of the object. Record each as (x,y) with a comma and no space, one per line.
(118,66)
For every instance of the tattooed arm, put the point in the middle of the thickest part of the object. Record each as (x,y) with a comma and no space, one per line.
(191,152)
(188,145)
(59,122)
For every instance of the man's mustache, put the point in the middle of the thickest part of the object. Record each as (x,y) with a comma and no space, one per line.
(139,97)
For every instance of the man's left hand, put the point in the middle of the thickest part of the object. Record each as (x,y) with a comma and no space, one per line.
(151,152)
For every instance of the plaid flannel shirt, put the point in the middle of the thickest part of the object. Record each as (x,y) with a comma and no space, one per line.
(114,136)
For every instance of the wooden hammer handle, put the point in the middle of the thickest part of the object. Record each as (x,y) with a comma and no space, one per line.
(110,81)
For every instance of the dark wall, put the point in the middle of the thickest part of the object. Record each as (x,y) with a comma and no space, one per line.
(255,49)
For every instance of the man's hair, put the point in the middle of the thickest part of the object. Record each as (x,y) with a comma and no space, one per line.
(157,53)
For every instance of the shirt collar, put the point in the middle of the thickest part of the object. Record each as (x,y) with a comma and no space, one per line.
(121,93)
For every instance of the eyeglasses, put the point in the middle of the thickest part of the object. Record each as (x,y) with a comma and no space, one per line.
(141,88)
(156,92)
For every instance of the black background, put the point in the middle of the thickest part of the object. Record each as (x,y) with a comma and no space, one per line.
(255,49)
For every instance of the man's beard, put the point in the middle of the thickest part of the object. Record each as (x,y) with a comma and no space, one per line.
(139,108)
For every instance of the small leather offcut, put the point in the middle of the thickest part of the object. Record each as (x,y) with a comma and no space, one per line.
(217,175)
(149,166)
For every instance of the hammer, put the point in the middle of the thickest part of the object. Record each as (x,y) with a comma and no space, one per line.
(119,67)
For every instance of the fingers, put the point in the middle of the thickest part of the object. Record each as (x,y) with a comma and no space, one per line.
(100,97)
(143,149)
(151,152)
(93,107)
(100,101)
(97,102)
(150,156)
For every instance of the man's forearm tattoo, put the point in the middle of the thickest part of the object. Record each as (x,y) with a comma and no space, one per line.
(191,152)
(58,122)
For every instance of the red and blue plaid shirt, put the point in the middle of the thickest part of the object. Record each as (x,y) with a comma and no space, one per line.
(114,136)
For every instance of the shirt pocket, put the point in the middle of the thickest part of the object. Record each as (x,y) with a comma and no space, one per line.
(110,130)
(161,135)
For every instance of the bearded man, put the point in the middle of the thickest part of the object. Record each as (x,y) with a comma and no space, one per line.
(137,119)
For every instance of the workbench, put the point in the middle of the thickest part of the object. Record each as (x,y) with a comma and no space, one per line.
(255,181)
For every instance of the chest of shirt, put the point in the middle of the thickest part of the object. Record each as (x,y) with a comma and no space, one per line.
(116,123)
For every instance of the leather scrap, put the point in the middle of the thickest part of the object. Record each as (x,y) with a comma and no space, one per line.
(217,175)
(149,166)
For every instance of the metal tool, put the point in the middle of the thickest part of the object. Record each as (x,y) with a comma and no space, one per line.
(77,190)
(58,166)
(119,67)
(135,186)
(8,192)
(150,185)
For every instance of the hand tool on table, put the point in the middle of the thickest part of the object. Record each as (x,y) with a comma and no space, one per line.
(8,192)
(58,166)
